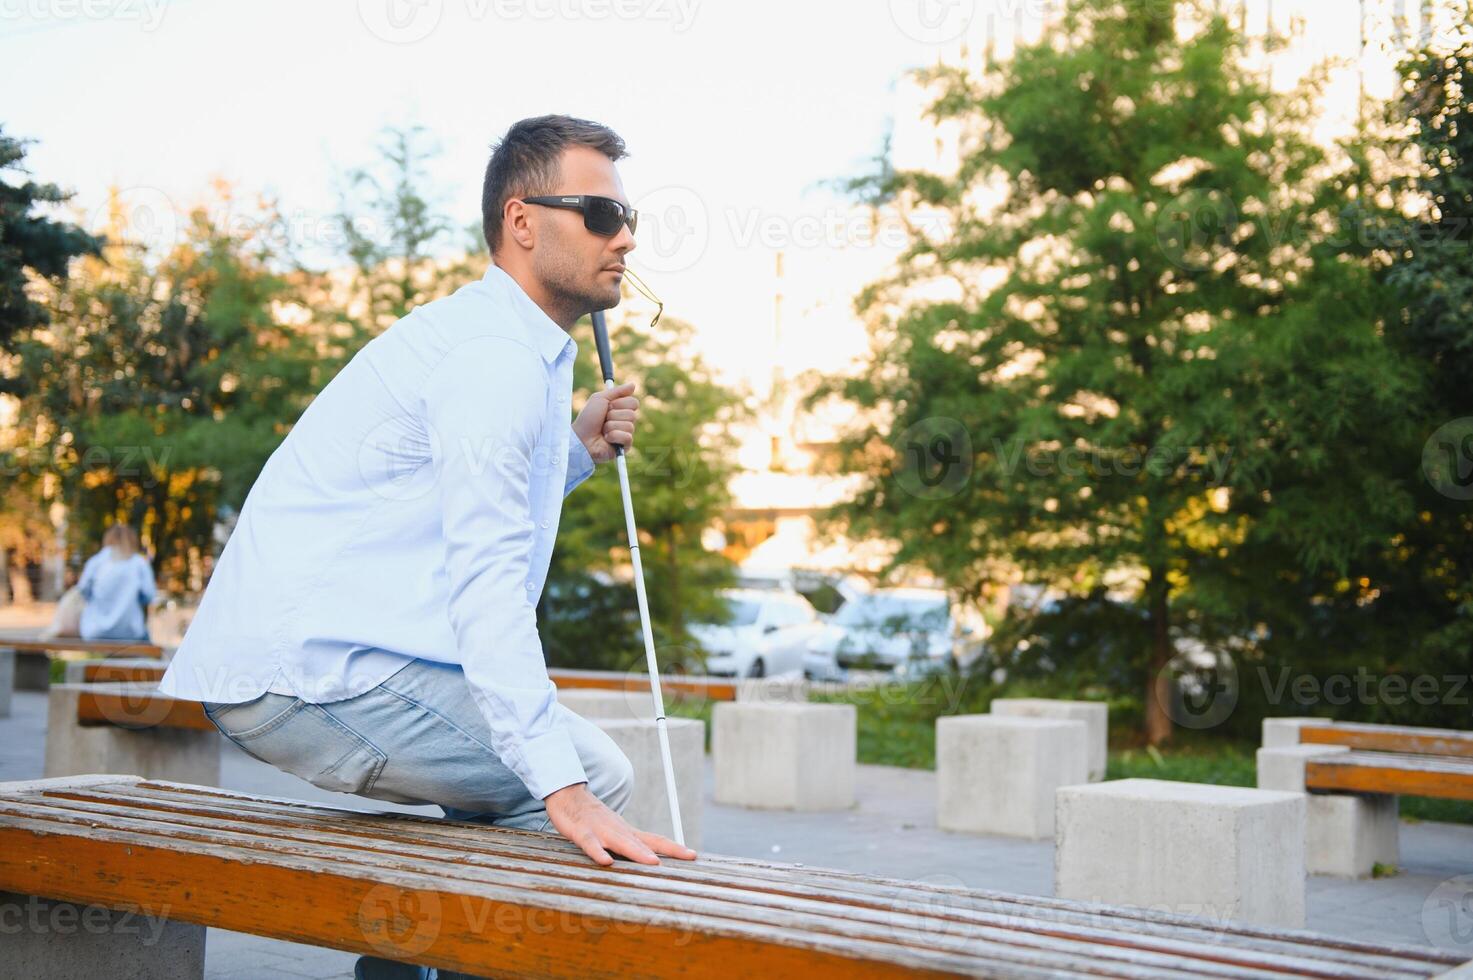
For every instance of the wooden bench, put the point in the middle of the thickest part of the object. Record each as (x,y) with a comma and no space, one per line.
(1391,759)
(689,685)
(1355,774)
(25,661)
(129,727)
(497,902)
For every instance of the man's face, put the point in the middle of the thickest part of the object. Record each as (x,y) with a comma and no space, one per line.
(581,269)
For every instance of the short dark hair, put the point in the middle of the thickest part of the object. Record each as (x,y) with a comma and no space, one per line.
(525,162)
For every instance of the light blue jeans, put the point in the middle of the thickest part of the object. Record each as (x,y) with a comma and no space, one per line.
(417,738)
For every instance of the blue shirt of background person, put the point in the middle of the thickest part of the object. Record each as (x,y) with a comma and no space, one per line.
(117,584)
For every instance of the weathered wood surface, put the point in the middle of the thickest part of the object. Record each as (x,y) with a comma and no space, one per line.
(127,705)
(690,685)
(1390,772)
(513,903)
(1391,738)
(72,644)
(100,671)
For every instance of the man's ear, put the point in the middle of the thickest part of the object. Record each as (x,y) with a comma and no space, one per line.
(516,223)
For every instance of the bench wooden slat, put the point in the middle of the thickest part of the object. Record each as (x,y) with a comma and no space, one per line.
(915,929)
(74,645)
(100,671)
(1386,772)
(1020,947)
(897,912)
(960,905)
(140,708)
(711,688)
(1391,738)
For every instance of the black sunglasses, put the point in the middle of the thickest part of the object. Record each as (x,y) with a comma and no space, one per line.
(601,215)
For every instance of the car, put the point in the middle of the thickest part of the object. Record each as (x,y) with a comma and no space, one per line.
(766,635)
(909,631)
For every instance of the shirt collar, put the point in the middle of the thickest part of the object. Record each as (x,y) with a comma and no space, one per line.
(549,338)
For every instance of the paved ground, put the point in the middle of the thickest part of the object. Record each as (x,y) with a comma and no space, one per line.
(891,831)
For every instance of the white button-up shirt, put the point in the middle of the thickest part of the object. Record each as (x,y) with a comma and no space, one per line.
(410,513)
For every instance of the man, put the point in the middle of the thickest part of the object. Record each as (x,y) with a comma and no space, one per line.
(370,626)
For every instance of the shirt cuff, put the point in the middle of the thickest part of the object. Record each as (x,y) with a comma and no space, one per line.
(550,762)
(580,463)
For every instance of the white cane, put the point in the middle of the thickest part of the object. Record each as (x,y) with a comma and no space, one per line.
(606,363)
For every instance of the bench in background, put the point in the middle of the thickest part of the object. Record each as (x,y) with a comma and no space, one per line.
(1354,775)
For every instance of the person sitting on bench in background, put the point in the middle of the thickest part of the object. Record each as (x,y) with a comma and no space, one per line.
(116,587)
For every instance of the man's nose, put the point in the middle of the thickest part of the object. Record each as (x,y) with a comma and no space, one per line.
(624,242)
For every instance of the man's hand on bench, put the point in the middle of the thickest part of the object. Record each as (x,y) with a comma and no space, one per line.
(585,820)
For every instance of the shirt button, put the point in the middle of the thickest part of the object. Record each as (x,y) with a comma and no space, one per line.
(544,524)
(531,586)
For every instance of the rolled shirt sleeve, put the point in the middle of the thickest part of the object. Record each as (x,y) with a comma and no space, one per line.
(485,405)
(580,463)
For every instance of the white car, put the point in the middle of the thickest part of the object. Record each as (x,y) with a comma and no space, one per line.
(766,636)
(911,630)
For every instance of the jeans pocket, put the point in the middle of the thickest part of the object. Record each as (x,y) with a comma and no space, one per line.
(306,741)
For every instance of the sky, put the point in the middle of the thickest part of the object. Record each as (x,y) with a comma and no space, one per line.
(736,114)
(739,115)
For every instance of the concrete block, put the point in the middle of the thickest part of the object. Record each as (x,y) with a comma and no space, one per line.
(784,756)
(182,755)
(52,940)
(1282,768)
(998,774)
(1225,853)
(1094,714)
(649,807)
(1347,834)
(7,680)
(595,703)
(773,690)
(32,670)
(1281,732)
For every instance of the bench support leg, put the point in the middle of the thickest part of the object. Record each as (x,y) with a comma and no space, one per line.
(7,680)
(1350,833)
(184,755)
(44,939)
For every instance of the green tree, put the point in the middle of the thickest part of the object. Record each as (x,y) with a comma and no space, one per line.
(678,473)
(1136,345)
(161,387)
(30,245)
